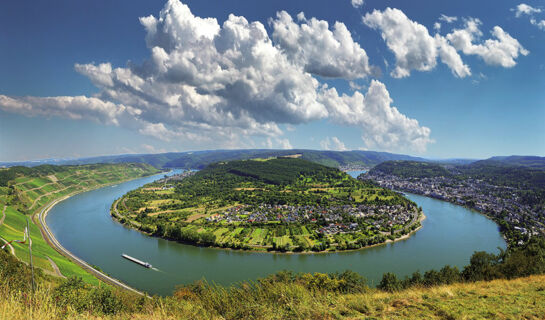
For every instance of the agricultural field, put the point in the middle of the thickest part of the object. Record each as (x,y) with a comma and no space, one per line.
(269,205)
(24,192)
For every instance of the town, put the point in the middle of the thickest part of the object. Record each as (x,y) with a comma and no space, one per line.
(331,220)
(502,203)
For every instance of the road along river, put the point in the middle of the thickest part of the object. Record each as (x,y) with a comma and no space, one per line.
(82,225)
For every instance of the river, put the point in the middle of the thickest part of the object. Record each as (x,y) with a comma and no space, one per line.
(82,224)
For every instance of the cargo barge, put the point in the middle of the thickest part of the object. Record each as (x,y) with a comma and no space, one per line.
(140,262)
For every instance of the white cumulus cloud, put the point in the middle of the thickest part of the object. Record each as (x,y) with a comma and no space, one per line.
(524,9)
(448,19)
(501,51)
(321,51)
(414,48)
(539,24)
(356,3)
(387,128)
(221,85)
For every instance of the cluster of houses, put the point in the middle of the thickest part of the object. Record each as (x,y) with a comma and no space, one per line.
(332,219)
(499,201)
(334,228)
(177,177)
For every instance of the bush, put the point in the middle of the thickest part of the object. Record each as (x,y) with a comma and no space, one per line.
(80,296)
(104,300)
(72,292)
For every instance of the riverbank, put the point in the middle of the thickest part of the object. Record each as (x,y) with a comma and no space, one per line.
(54,243)
(39,218)
(471,208)
(408,235)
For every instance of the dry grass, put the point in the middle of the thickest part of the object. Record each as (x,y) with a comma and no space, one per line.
(500,299)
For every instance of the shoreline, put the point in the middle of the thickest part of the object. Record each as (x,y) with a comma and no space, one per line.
(49,237)
(473,209)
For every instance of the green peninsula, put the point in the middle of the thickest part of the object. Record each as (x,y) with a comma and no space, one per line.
(280,204)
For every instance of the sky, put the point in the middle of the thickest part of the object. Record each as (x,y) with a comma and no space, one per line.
(438,79)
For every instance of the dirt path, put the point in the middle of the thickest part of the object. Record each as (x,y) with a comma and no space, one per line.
(38,188)
(3,215)
(9,245)
(160,212)
(195,217)
(55,268)
(4,240)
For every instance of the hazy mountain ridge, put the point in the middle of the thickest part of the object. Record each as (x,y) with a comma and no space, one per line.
(532,162)
(199,159)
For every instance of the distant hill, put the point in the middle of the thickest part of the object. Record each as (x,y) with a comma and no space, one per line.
(281,171)
(532,162)
(496,172)
(411,169)
(328,158)
(453,161)
(156,160)
(200,159)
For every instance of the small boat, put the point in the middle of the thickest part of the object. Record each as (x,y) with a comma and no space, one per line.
(140,262)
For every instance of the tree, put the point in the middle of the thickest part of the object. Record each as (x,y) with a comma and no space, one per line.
(207,238)
(160,230)
(449,275)
(389,282)
(351,282)
(173,232)
(482,266)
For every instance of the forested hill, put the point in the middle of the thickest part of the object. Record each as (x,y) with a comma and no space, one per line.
(411,169)
(531,162)
(200,159)
(491,171)
(280,171)
(500,174)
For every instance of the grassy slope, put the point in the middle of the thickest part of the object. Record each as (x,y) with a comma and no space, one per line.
(33,193)
(499,299)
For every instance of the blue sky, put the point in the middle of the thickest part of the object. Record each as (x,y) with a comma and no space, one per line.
(488,100)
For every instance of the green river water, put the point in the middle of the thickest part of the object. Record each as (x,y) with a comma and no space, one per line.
(83,225)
